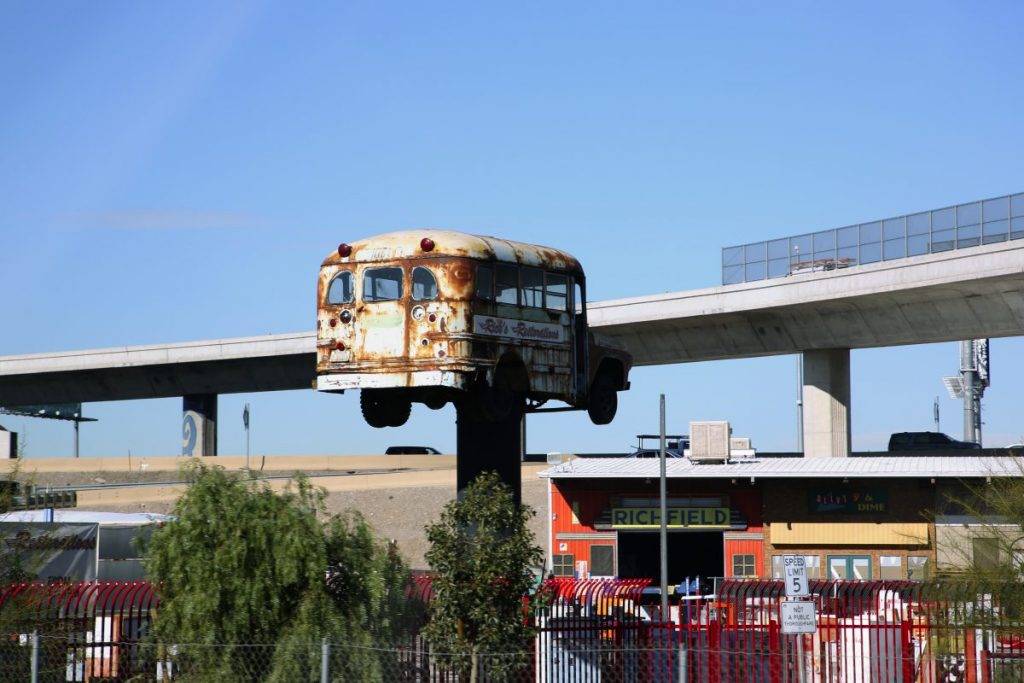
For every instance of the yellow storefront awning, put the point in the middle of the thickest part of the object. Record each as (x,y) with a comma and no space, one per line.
(849,533)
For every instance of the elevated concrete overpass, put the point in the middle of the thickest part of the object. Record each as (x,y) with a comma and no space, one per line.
(969,293)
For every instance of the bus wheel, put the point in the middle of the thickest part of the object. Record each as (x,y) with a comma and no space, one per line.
(399,410)
(435,402)
(603,401)
(383,409)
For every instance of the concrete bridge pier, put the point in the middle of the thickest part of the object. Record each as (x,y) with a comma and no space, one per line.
(826,403)
(199,425)
(483,446)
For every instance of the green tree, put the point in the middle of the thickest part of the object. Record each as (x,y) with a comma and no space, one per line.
(482,552)
(244,564)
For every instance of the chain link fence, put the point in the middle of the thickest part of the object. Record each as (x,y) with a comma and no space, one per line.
(49,658)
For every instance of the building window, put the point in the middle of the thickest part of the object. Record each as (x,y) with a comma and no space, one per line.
(744,565)
(852,567)
(890,567)
(602,560)
(812,562)
(917,568)
(985,552)
(563,565)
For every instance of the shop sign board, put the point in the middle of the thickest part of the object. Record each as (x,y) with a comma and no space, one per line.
(677,518)
(796,576)
(51,550)
(848,500)
(799,616)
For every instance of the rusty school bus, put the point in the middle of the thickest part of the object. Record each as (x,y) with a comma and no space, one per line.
(437,316)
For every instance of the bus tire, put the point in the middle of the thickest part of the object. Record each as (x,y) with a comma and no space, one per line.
(603,402)
(398,411)
(383,410)
(435,402)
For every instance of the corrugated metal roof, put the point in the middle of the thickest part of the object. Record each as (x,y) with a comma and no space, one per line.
(786,468)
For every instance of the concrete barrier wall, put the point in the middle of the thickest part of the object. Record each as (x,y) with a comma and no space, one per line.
(273,463)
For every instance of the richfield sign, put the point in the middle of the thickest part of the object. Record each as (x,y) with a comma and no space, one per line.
(517,329)
(676,518)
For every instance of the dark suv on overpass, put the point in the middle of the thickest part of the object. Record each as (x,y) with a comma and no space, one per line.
(928,441)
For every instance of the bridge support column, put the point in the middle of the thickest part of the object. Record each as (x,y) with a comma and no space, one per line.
(8,444)
(826,403)
(484,446)
(199,425)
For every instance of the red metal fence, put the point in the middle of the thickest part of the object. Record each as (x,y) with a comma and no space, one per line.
(609,630)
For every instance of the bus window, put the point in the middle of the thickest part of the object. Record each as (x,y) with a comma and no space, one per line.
(578,300)
(424,286)
(382,284)
(533,287)
(484,282)
(340,291)
(507,284)
(556,291)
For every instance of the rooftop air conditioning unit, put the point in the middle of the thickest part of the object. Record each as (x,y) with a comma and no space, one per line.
(739,443)
(709,441)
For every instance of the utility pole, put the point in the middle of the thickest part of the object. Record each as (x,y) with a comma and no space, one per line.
(935,414)
(664,513)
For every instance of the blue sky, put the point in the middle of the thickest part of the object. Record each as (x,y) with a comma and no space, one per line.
(177,171)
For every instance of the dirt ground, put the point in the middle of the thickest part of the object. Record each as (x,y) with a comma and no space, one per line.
(401,514)
(397,512)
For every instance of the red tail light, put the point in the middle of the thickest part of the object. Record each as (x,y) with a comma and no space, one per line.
(333,322)
(344,250)
(339,345)
(427,244)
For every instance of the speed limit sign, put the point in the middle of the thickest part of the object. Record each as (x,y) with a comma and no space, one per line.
(795,576)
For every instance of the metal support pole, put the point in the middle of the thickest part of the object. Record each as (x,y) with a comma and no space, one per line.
(77,423)
(522,439)
(968,374)
(325,661)
(34,670)
(935,411)
(664,512)
(801,669)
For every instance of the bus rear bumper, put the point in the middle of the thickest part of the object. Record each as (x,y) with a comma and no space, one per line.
(393,380)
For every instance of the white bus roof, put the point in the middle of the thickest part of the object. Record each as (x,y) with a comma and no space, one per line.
(408,244)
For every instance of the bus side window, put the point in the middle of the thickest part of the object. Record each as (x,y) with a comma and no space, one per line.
(484,282)
(507,284)
(556,292)
(533,287)
(424,286)
(578,299)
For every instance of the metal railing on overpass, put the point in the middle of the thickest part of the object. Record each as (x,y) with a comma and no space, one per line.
(961,226)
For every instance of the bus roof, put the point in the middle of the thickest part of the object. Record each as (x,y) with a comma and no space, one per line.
(407,244)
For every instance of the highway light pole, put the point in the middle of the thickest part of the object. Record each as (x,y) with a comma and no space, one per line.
(664,513)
